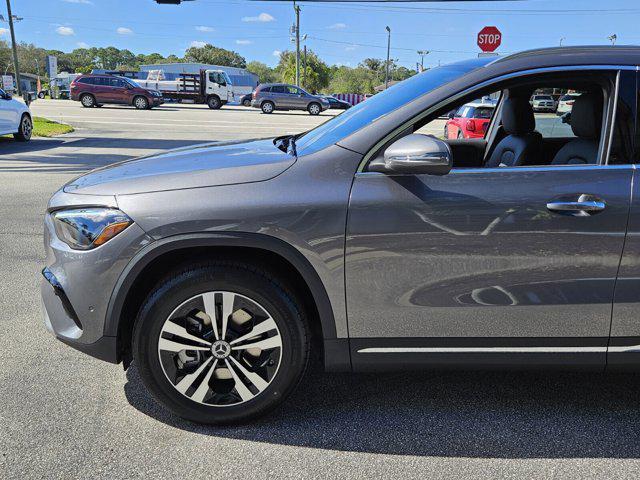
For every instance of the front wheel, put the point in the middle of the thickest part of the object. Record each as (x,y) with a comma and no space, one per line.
(87,100)
(267,107)
(314,109)
(221,343)
(214,103)
(25,129)
(141,103)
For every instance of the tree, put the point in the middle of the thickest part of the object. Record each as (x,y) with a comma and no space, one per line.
(317,76)
(265,73)
(215,56)
(352,80)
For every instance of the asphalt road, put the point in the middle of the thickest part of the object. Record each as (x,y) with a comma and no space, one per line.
(65,415)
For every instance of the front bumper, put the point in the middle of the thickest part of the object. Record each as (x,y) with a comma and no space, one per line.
(77,285)
(157,101)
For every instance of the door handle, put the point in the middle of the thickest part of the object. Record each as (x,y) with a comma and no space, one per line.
(583,206)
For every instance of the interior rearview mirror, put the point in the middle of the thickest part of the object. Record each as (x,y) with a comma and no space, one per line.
(415,154)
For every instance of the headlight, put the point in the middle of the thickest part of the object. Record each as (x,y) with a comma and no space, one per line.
(87,228)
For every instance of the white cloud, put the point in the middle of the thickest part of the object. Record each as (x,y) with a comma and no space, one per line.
(277,53)
(203,28)
(197,44)
(82,45)
(263,17)
(86,2)
(243,42)
(337,26)
(4,31)
(124,31)
(350,48)
(65,31)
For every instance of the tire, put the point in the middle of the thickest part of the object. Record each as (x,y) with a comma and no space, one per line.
(221,400)
(41,95)
(246,103)
(314,108)
(446,133)
(140,102)
(87,100)
(25,129)
(267,107)
(214,102)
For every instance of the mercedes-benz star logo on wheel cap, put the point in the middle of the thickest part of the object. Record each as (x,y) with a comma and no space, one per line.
(220,349)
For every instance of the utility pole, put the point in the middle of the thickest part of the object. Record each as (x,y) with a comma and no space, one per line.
(386,74)
(304,68)
(14,48)
(297,10)
(422,53)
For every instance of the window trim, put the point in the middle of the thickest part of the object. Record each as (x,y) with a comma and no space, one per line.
(369,156)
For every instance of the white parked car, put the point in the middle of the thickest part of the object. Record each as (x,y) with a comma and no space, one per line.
(543,103)
(15,118)
(566,103)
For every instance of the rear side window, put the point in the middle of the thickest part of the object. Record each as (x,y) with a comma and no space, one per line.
(483,112)
(264,90)
(278,89)
(87,80)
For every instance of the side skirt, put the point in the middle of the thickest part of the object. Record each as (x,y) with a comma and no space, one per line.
(393,354)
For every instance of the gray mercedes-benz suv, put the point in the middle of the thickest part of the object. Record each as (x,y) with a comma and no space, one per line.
(269,97)
(219,269)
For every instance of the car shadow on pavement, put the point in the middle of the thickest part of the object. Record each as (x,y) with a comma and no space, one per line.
(450,414)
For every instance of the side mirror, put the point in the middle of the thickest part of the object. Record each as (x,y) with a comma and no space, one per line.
(415,154)
(451,115)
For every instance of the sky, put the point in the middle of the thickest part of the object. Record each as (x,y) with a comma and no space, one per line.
(340,33)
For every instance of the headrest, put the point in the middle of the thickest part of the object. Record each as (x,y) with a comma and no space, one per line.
(586,115)
(517,116)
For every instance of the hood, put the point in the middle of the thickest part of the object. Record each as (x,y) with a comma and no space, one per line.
(206,165)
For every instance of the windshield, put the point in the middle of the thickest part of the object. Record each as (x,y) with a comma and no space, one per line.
(374,108)
(130,82)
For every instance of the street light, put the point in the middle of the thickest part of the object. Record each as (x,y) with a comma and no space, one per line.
(422,53)
(561,40)
(612,38)
(386,74)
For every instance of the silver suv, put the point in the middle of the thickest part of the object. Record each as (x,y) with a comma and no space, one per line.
(221,269)
(282,96)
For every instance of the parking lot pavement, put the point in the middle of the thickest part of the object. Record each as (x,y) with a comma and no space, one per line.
(65,415)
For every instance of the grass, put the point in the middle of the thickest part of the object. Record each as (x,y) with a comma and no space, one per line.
(43,127)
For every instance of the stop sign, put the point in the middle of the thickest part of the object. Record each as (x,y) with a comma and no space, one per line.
(489,38)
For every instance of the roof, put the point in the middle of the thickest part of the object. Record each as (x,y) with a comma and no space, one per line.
(588,54)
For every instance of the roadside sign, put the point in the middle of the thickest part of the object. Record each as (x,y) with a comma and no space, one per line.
(7,83)
(52,66)
(489,38)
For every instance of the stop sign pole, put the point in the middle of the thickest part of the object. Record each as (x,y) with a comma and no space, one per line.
(489,38)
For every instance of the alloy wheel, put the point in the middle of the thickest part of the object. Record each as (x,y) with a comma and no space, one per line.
(314,109)
(141,103)
(220,348)
(26,127)
(87,101)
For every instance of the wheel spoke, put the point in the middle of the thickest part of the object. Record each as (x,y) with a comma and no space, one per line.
(183,385)
(176,329)
(203,388)
(253,377)
(272,342)
(210,309)
(241,388)
(228,299)
(173,346)
(263,327)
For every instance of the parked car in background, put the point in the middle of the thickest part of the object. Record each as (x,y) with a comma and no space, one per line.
(96,90)
(565,104)
(245,100)
(15,118)
(282,96)
(469,121)
(336,103)
(543,103)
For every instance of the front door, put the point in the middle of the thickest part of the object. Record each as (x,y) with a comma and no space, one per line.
(485,261)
